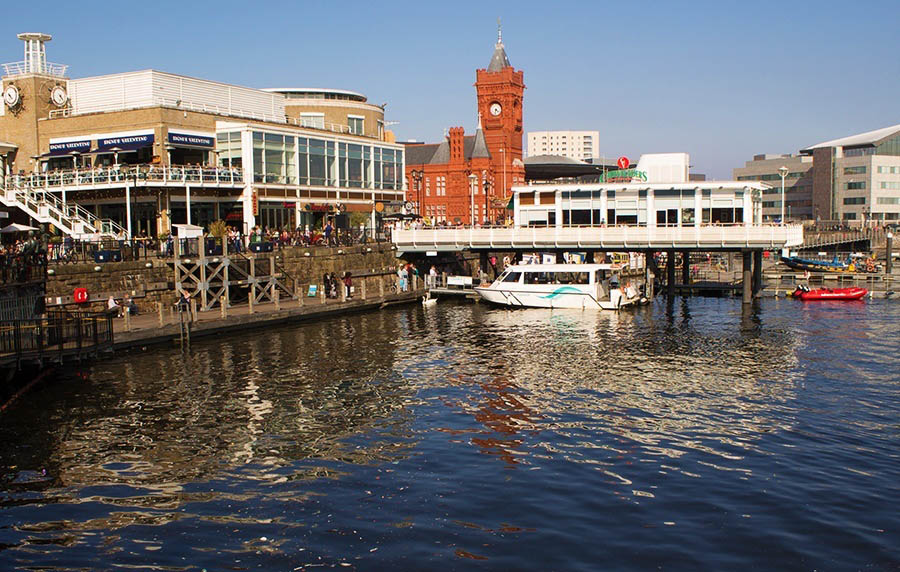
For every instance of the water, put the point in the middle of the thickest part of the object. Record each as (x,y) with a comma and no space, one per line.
(685,436)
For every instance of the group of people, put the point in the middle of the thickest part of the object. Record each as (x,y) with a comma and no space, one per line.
(127,305)
(332,283)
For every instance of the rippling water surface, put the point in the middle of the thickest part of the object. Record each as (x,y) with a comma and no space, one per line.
(686,436)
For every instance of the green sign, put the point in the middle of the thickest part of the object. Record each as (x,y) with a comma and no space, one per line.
(620,174)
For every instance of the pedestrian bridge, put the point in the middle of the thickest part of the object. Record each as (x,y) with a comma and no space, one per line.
(612,238)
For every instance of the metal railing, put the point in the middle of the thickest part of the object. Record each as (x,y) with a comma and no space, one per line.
(26,67)
(19,268)
(71,218)
(55,337)
(611,237)
(133,174)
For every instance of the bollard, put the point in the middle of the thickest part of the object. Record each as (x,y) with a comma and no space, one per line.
(127,315)
(223,307)
(193,310)
(162,319)
(277,299)
(251,294)
(343,290)
(323,293)
(381,286)
(300,295)
(415,282)
(363,286)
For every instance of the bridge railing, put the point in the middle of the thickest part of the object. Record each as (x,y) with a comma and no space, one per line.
(621,236)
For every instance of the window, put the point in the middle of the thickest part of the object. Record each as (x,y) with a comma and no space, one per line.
(854,200)
(892,185)
(356,124)
(861,170)
(888,200)
(315,120)
(855,185)
(860,152)
(512,277)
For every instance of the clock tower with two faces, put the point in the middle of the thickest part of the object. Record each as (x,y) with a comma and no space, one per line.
(500,90)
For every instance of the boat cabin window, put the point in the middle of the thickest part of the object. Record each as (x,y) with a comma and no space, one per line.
(511,277)
(557,278)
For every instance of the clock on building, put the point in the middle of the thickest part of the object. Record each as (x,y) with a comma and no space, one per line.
(495,109)
(59,96)
(11,96)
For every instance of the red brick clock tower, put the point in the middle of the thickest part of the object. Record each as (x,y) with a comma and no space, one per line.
(500,90)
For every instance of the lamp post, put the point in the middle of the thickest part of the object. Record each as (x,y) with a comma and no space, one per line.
(783,171)
(473,178)
(485,186)
(503,159)
(417,180)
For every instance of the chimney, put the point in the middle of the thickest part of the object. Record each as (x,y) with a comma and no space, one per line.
(456,144)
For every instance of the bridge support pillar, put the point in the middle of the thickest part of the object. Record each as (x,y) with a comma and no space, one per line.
(888,245)
(757,271)
(670,274)
(747,286)
(685,267)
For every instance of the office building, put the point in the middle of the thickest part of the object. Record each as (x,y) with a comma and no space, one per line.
(578,145)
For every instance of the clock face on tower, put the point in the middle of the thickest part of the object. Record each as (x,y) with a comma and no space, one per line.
(495,109)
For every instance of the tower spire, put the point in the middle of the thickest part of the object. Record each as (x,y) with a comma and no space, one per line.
(498,59)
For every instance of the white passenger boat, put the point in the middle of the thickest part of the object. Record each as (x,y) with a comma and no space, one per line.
(595,286)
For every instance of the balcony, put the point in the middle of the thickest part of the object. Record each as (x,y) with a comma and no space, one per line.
(140,175)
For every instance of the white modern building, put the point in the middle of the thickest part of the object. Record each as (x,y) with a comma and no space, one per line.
(578,145)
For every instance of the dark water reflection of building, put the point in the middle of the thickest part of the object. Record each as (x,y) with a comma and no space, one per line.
(254,405)
(658,388)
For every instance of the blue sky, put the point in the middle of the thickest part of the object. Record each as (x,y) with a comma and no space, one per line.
(721,80)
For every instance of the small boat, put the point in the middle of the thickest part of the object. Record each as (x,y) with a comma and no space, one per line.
(583,286)
(818,265)
(805,293)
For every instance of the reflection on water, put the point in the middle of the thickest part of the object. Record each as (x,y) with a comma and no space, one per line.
(424,437)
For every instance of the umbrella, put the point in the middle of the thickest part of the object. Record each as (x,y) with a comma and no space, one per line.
(15,227)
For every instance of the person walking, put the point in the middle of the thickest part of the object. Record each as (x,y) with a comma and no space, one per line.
(348,285)
(326,285)
(333,285)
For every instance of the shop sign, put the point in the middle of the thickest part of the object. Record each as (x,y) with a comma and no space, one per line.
(68,147)
(288,205)
(623,162)
(130,142)
(318,208)
(623,175)
(254,199)
(193,140)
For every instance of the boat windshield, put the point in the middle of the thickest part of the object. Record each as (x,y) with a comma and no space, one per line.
(510,277)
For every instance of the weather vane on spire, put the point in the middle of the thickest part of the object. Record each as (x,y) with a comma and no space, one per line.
(499,32)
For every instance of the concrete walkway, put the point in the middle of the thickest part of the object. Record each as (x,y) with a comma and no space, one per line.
(149,328)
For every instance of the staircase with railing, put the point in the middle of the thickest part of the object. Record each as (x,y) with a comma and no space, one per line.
(45,207)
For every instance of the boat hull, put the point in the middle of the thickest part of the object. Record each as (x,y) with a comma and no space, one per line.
(572,299)
(815,266)
(839,294)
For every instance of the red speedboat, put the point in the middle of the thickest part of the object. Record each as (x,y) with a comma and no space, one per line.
(804,293)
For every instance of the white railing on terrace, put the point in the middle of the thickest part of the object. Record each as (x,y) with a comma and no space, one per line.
(22,68)
(621,236)
(141,174)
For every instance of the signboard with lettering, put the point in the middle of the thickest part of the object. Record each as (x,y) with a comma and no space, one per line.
(623,162)
(254,199)
(192,140)
(623,176)
(70,146)
(129,142)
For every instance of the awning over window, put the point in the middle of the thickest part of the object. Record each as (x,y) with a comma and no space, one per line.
(68,148)
(7,147)
(192,141)
(123,144)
